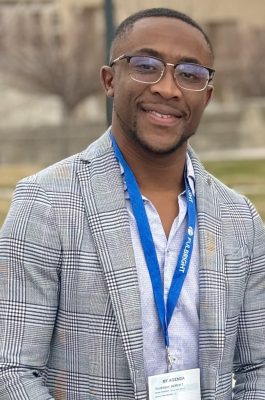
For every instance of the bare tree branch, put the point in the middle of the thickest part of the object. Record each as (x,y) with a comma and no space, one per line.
(63,63)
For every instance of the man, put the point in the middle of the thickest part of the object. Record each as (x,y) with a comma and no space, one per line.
(127,269)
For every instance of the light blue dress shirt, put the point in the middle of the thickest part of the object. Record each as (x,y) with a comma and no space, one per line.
(184,326)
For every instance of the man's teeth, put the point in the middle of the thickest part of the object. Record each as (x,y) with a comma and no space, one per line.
(161,115)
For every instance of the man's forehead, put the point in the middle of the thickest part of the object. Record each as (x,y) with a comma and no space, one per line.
(159,25)
(151,31)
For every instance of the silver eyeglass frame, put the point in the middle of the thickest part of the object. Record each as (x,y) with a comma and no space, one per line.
(128,57)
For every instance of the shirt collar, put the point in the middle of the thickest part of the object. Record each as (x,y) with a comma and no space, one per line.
(190,174)
(189,171)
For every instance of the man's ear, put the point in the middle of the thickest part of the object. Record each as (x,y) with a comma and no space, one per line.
(209,94)
(106,78)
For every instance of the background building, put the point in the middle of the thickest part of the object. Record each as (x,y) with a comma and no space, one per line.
(52,105)
(50,90)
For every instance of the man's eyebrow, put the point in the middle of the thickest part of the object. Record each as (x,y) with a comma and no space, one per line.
(148,51)
(152,52)
(192,60)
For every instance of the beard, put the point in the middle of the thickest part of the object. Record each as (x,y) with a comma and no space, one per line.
(134,134)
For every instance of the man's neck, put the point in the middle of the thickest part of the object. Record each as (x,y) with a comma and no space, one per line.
(156,172)
(160,179)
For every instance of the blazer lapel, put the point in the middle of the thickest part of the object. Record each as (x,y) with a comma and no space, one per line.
(103,193)
(213,306)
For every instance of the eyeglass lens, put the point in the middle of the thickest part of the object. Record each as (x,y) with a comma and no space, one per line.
(150,70)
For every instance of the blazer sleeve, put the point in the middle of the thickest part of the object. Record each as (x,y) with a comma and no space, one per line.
(249,362)
(29,285)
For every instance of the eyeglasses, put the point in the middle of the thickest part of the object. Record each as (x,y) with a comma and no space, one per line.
(148,69)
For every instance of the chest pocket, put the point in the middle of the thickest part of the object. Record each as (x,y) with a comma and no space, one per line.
(237,264)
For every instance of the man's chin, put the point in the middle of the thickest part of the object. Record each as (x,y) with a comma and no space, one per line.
(161,149)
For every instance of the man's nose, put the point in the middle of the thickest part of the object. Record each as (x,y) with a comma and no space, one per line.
(167,86)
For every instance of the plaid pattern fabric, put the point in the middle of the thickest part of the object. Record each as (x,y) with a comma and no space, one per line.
(70,317)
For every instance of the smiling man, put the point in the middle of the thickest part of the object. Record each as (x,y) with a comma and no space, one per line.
(127,271)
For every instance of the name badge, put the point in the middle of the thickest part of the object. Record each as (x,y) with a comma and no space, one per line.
(180,385)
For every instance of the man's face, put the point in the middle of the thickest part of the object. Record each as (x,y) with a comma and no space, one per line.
(158,117)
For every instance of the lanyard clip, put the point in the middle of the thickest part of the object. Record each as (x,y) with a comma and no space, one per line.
(169,360)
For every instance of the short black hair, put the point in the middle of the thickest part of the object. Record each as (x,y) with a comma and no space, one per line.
(129,22)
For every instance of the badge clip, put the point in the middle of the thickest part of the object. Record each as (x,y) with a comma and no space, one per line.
(169,360)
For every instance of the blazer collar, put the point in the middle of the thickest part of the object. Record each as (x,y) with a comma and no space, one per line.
(98,148)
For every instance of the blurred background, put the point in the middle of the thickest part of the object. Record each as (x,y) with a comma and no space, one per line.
(52,104)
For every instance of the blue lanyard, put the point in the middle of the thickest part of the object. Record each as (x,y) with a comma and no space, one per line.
(164,312)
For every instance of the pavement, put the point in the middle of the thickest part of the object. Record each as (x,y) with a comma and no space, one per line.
(233,154)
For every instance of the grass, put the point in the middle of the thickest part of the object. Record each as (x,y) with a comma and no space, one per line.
(10,174)
(245,176)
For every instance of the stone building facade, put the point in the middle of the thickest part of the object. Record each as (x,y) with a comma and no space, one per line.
(236,29)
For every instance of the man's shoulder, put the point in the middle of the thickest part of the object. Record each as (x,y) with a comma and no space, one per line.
(64,170)
(203,175)
(226,194)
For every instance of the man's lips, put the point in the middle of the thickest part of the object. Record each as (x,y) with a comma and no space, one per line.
(163,116)
(163,111)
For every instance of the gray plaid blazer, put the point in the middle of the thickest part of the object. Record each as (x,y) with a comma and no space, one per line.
(70,317)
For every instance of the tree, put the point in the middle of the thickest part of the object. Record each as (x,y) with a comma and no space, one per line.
(253,61)
(239,60)
(42,52)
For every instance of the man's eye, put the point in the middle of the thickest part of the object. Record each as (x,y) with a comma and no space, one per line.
(190,76)
(145,67)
